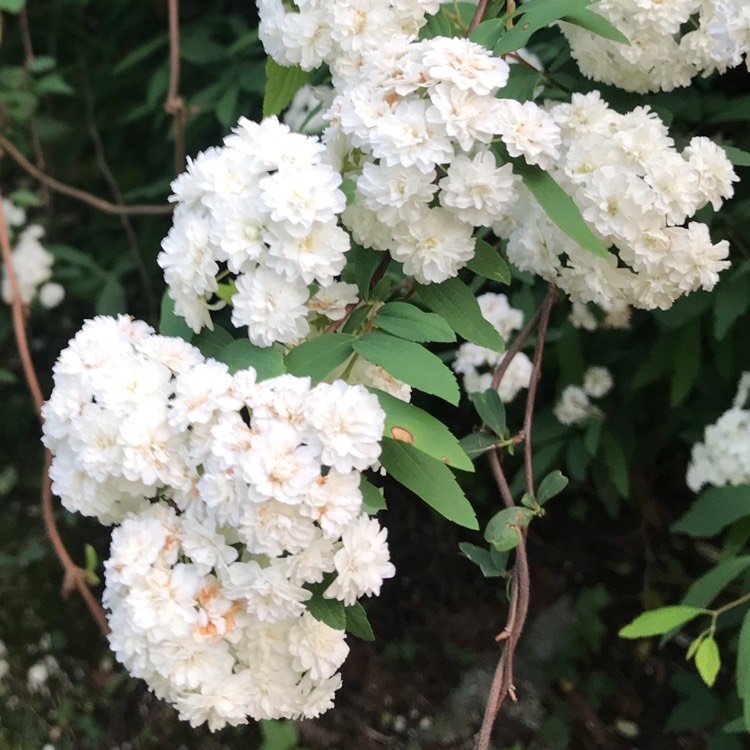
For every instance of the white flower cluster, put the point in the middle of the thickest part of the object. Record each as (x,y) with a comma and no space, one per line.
(339,33)
(574,405)
(724,455)
(417,124)
(234,497)
(263,208)
(583,316)
(477,363)
(670,42)
(636,191)
(31,262)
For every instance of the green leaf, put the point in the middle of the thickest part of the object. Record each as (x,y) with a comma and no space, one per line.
(12,6)
(282,83)
(329,611)
(489,264)
(708,661)
(476,444)
(239,355)
(171,324)
(437,25)
(409,322)
(659,621)
(454,302)
(737,156)
(23,197)
(412,425)
(708,586)
(364,261)
(596,24)
(731,301)
(616,463)
(560,207)
(714,510)
(743,668)
(92,562)
(409,362)
(372,497)
(140,53)
(553,484)
(7,377)
(212,342)
(278,735)
(686,362)
(488,33)
(111,297)
(349,189)
(430,479)
(502,531)
(484,559)
(53,83)
(318,356)
(491,409)
(537,14)
(357,623)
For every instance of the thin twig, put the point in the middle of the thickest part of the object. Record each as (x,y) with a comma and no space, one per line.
(478,16)
(503,681)
(175,104)
(109,177)
(75,577)
(536,370)
(29,59)
(134,209)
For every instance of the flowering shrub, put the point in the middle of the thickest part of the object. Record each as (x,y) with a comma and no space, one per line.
(239,453)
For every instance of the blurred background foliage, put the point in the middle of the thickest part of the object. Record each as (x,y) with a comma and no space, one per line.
(87,106)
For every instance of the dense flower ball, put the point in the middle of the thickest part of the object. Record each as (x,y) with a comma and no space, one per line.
(234,498)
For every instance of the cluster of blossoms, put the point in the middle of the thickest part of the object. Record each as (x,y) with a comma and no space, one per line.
(724,455)
(234,498)
(31,262)
(670,42)
(263,208)
(340,33)
(415,128)
(636,191)
(574,405)
(583,316)
(477,363)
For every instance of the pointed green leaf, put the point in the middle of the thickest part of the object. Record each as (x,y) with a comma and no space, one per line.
(372,497)
(357,623)
(714,510)
(212,342)
(279,735)
(488,33)
(489,264)
(483,558)
(596,24)
(412,425)
(559,206)
(266,361)
(318,356)
(659,621)
(553,484)
(491,409)
(282,83)
(171,324)
(476,444)
(409,362)
(737,156)
(503,530)
(743,668)
(708,661)
(12,6)
(708,586)
(409,322)
(454,302)
(430,479)
(329,611)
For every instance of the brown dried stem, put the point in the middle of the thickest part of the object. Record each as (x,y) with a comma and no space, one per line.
(175,104)
(478,16)
(503,682)
(81,195)
(75,577)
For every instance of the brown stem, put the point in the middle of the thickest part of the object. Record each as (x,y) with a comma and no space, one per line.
(536,370)
(478,16)
(81,195)
(502,682)
(75,577)
(175,104)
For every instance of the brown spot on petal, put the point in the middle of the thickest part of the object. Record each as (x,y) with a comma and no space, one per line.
(399,433)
